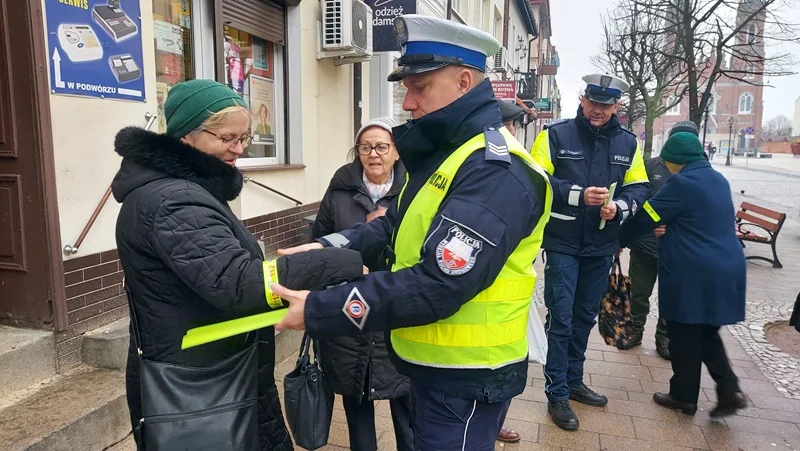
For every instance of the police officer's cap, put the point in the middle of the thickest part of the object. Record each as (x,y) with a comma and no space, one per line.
(604,88)
(430,43)
(510,112)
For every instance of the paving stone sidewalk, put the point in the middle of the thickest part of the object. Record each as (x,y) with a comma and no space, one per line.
(631,421)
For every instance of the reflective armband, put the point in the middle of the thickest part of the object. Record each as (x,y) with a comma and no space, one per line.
(651,212)
(270,277)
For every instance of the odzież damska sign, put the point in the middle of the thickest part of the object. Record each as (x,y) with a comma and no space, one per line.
(383,15)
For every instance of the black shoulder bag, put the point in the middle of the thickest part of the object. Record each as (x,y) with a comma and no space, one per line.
(197,408)
(308,399)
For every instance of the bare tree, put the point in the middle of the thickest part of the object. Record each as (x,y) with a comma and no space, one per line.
(778,127)
(635,51)
(711,39)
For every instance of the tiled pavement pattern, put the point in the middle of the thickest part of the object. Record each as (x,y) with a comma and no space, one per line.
(630,421)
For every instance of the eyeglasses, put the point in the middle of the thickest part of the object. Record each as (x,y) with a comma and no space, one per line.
(228,141)
(366,149)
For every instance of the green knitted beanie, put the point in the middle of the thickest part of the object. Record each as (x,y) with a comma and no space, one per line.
(191,102)
(682,148)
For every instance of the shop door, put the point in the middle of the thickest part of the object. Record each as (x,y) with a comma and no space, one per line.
(24,253)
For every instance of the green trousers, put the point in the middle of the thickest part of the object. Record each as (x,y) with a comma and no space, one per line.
(643,271)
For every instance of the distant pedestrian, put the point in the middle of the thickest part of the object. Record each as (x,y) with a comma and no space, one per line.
(701,272)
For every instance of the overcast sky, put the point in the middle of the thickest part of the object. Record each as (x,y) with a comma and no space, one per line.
(578,33)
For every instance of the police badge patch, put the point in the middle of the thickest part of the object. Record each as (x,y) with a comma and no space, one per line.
(457,252)
(356,308)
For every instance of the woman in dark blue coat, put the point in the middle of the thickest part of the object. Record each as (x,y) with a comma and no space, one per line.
(701,273)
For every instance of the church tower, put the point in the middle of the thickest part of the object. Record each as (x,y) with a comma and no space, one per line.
(746,65)
(748,53)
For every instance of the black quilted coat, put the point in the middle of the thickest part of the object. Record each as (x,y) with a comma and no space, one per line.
(190,262)
(347,360)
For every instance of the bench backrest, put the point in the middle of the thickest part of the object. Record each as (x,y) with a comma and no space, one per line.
(772,220)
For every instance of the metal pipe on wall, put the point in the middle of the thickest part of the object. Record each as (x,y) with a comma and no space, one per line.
(357,98)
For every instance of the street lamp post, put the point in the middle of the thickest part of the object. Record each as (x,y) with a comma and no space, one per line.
(705,125)
(731,121)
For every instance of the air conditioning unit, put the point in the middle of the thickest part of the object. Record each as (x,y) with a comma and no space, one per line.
(345,31)
(500,59)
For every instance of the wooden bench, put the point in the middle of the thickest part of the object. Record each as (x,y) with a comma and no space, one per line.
(763,228)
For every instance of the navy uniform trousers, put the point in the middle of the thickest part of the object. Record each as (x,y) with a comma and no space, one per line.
(573,289)
(443,422)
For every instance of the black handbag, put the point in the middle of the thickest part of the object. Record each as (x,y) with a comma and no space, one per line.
(308,399)
(197,408)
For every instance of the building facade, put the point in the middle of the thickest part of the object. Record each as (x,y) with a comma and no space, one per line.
(63,99)
(545,97)
(512,22)
(59,269)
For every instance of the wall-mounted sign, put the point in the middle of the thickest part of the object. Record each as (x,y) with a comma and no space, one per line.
(543,104)
(95,48)
(505,90)
(750,130)
(383,14)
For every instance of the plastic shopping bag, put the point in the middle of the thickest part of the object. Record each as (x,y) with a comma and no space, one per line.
(537,340)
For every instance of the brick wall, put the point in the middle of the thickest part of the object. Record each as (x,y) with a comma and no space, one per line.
(94,298)
(283,228)
(94,282)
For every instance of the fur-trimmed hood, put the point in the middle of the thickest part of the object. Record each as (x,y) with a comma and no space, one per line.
(148,156)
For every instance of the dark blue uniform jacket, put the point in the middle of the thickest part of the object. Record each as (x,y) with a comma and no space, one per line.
(582,156)
(702,277)
(492,198)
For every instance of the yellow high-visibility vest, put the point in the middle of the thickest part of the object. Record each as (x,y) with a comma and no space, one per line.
(489,331)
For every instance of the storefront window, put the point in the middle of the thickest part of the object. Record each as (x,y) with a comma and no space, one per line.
(172,30)
(253,69)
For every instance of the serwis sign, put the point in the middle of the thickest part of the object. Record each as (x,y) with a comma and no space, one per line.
(383,14)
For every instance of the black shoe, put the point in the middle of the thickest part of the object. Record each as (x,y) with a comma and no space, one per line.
(585,395)
(662,349)
(562,415)
(665,400)
(728,405)
(635,340)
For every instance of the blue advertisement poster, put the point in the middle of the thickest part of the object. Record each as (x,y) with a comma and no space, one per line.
(95,48)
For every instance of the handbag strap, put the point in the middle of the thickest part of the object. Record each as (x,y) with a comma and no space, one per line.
(305,351)
(136,334)
(616,266)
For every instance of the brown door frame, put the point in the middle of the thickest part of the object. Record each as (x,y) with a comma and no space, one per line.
(47,171)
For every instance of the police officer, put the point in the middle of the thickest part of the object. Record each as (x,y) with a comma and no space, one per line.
(584,157)
(459,241)
(643,268)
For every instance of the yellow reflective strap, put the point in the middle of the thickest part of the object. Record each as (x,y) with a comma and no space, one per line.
(650,211)
(213,332)
(270,277)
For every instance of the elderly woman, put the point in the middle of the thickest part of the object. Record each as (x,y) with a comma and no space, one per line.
(190,262)
(701,273)
(358,367)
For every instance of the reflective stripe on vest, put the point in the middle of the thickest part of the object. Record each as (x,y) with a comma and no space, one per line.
(489,331)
